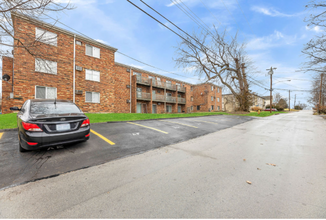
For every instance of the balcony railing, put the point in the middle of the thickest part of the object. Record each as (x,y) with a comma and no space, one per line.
(158,83)
(170,99)
(170,86)
(159,98)
(181,100)
(143,95)
(143,80)
(181,89)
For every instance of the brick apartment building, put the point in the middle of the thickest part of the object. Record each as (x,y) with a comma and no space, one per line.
(83,70)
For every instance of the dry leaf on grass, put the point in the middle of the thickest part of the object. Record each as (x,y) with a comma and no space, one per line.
(248,182)
(244,159)
(258,169)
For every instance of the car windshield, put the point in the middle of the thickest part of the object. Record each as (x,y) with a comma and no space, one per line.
(46,108)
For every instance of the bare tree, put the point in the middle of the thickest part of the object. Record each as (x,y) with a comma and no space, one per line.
(277,97)
(33,9)
(315,49)
(315,91)
(220,60)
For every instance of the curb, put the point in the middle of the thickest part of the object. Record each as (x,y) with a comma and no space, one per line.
(9,129)
(155,119)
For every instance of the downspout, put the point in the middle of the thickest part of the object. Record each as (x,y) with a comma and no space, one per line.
(130,88)
(74,71)
(215,99)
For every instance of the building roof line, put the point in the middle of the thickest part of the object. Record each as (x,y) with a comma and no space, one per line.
(166,77)
(61,30)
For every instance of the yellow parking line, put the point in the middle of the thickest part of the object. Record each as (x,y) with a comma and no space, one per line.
(202,121)
(180,123)
(101,136)
(1,135)
(148,127)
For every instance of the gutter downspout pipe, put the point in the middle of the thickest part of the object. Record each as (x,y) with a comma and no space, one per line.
(130,88)
(74,71)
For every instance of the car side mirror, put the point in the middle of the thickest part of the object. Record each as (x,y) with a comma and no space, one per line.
(15,109)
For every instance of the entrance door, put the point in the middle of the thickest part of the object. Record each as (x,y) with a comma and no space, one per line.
(154,109)
(179,109)
(169,108)
(153,95)
(138,108)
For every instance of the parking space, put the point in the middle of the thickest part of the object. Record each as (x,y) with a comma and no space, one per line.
(108,141)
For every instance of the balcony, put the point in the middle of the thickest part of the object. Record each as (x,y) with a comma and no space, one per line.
(182,89)
(158,98)
(143,80)
(158,84)
(181,100)
(171,99)
(143,96)
(170,86)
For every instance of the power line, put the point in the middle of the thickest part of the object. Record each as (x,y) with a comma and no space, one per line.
(121,52)
(245,17)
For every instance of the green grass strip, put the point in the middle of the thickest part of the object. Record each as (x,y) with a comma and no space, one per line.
(9,120)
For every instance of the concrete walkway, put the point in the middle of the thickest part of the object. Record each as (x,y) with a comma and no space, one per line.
(201,178)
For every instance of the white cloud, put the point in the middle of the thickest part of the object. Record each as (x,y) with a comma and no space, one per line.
(274,40)
(272,12)
(316,29)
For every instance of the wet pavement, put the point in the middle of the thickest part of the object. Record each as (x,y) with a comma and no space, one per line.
(127,139)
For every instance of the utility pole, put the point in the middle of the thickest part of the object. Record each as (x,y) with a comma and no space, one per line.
(270,72)
(321,85)
(289,100)
(295,98)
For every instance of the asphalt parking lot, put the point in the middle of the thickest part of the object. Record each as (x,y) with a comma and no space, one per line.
(108,141)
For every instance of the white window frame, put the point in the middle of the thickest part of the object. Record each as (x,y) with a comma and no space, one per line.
(99,75)
(218,90)
(48,63)
(99,97)
(93,53)
(192,98)
(218,108)
(212,88)
(43,37)
(218,99)
(212,98)
(46,89)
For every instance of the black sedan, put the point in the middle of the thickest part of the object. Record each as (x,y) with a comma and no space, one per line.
(44,123)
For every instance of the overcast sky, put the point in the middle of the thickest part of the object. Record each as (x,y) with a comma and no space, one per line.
(273,30)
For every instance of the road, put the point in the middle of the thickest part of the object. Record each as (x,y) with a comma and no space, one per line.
(205,177)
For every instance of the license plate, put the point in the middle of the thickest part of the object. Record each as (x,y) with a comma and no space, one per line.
(63,127)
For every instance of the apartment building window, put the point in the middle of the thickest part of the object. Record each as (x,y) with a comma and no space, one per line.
(212,88)
(169,108)
(42,92)
(218,90)
(92,75)
(218,99)
(92,51)
(192,108)
(138,74)
(191,88)
(78,42)
(218,108)
(198,107)
(93,97)
(46,37)
(212,98)
(192,98)
(45,66)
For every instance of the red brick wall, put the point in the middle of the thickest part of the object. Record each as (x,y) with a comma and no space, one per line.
(7,65)
(114,78)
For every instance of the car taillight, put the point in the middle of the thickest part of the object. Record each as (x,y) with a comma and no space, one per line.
(32,143)
(85,123)
(31,127)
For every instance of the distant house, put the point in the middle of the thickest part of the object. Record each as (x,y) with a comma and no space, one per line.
(231,104)
(267,100)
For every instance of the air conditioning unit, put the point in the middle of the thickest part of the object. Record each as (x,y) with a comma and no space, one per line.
(128,70)
(128,101)
(128,86)
(78,92)
(79,68)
